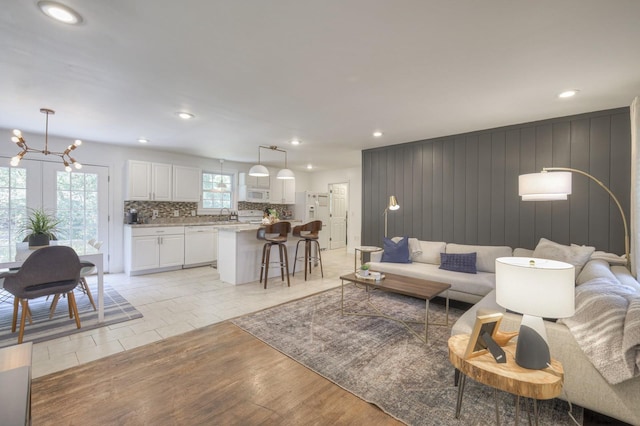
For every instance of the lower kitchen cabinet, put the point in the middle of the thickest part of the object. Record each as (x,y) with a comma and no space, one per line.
(200,245)
(152,249)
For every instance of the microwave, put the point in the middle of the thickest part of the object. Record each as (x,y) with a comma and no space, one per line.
(254,195)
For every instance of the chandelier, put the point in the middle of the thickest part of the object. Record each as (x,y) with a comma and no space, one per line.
(65,156)
(261,171)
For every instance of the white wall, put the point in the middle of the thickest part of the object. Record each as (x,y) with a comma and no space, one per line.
(115,157)
(320,181)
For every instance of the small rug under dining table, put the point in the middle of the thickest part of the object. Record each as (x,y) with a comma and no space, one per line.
(116,309)
(382,362)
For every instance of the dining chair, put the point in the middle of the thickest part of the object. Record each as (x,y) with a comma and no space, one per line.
(47,271)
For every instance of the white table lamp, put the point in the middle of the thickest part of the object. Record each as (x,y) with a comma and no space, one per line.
(536,288)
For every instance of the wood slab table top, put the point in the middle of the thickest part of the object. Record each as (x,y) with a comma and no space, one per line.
(509,376)
(409,286)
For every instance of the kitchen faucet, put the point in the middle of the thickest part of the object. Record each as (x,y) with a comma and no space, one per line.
(228,213)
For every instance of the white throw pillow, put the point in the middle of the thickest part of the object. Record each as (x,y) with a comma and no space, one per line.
(430,252)
(575,255)
(414,246)
(596,269)
(611,258)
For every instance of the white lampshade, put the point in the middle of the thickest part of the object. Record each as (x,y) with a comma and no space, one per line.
(540,287)
(258,170)
(285,174)
(544,186)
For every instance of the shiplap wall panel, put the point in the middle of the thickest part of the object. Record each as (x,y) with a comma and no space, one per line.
(464,188)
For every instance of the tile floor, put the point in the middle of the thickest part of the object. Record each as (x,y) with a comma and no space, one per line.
(179,301)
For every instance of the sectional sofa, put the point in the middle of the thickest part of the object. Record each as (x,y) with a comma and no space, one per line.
(584,384)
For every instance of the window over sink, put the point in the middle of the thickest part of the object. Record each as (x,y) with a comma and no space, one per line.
(217,192)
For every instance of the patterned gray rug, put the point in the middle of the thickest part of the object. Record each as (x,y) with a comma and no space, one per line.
(382,362)
(116,309)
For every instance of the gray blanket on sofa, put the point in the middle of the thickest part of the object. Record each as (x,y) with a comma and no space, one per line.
(606,325)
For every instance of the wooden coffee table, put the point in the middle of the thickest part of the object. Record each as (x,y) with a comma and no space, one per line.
(408,286)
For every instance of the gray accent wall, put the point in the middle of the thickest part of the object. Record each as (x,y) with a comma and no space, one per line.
(464,188)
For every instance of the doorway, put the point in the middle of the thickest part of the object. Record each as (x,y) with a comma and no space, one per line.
(338,211)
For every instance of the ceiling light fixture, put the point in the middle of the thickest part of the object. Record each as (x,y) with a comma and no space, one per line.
(377,134)
(60,12)
(143,140)
(185,115)
(295,142)
(221,186)
(261,171)
(309,167)
(64,156)
(568,93)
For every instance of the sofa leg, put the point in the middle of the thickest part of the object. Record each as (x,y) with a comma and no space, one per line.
(456,377)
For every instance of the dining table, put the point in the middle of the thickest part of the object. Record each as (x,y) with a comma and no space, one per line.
(86,253)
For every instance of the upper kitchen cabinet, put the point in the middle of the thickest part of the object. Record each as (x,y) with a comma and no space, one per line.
(149,181)
(253,181)
(187,182)
(283,191)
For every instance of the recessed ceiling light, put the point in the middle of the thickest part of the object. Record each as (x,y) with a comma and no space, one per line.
(377,134)
(568,93)
(309,167)
(185,115)
(295,142)
(60,12)
(143,140)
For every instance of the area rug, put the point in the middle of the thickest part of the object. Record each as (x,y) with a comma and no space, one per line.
(382,362)
(116,309)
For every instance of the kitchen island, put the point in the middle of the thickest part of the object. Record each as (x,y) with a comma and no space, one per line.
(240,254)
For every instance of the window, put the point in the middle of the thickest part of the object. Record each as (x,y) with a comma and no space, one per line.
(13,210)
(214,196)
(77,206)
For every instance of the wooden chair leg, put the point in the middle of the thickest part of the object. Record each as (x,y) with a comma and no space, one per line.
(307,259)
(85,286)
(72,305)
(54,304)
(281,264)
(23,317)
(319,258)
(295,259)
(266,264)
(16,301)
(262,265)
(69,308)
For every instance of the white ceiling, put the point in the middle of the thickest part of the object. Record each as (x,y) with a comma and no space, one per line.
(330,72)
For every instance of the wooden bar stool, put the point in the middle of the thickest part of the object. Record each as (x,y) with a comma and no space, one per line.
(266,233)
(309,234)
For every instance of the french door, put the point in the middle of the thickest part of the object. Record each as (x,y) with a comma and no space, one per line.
(80,200)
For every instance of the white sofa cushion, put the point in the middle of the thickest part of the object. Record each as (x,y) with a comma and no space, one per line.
(430,252)
(486,255)
(522,252)
(596,269)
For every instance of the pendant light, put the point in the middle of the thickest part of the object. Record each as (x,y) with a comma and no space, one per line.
(221,186)
(261,171)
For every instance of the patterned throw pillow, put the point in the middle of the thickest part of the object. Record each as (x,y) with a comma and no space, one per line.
(458,262)
(396,252)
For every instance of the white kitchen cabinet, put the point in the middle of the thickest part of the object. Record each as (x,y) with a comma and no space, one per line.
(254,181)
(200,245)
(149,181)
(151,249)
(283,191)
(187,182)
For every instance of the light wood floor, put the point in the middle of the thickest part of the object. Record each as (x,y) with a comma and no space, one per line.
(214,375)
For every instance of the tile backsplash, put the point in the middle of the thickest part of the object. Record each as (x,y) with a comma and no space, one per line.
(166,210)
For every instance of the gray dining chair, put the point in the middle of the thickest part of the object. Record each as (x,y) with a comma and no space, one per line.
(47,271)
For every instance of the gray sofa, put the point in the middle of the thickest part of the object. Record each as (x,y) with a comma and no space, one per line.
(583,385)
(425,264)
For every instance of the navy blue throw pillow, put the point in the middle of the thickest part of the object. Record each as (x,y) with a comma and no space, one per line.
(458,262)
(396,252)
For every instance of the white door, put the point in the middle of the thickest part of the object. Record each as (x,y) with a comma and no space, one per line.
(81,200)
(338,202)
(171,250)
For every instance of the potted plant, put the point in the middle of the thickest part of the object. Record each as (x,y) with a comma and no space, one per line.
(40,227)
(364,270)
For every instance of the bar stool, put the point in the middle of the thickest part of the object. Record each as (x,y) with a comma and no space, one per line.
(266,233)
(309,235)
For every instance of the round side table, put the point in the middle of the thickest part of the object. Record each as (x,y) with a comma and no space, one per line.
(363,250)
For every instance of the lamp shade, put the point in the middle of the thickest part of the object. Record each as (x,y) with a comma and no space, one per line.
(285,174)
(393,203)
(258,170)
(540,287)
(544,186)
